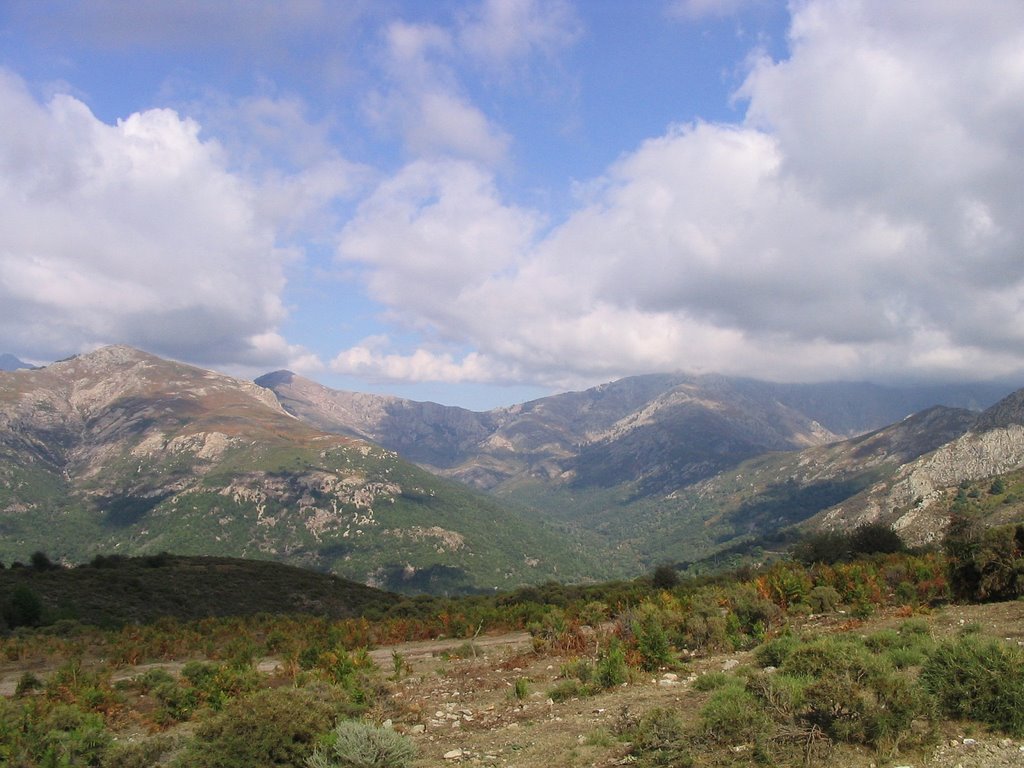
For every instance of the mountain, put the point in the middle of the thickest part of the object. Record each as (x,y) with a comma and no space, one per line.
(763,498)
(9,362)
(910,475)
(915,499)
(581,456)
(120,451)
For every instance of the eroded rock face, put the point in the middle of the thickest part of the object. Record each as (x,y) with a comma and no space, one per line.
(909,501)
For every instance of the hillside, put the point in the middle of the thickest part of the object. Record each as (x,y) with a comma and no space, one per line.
(120,451)
(114,590)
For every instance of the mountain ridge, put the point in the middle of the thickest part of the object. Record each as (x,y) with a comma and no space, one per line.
(121,451)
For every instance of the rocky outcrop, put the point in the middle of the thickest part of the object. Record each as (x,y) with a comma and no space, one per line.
(910,499)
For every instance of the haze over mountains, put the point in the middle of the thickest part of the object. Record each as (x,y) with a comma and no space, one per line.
(120,451)
(660,431)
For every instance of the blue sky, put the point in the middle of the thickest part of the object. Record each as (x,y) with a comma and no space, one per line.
(482,202)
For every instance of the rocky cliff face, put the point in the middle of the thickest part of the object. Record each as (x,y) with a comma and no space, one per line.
(911,500)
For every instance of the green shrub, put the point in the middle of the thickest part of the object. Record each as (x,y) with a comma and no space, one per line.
(355,744)
(520,688)
(980,679)
(568,689)
(272,727)
(23,608)
(855,695)
(733,714)
(985,564)
(67,736)
(652,643)
(659,739)
(824,599)
(141,754)
(711,681)
(776,650)
(611,667)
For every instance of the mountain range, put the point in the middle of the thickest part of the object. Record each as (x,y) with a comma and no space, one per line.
(121,451)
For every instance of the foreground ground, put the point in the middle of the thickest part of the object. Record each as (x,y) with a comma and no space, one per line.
(488,702)
(463,709)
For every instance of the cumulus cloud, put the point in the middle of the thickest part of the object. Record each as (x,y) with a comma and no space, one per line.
(132,233)
(864,219)
(423,100)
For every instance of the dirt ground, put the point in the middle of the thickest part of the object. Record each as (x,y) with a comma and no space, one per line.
(463,710)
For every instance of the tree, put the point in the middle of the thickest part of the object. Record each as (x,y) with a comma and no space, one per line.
(665,577)
(23,609)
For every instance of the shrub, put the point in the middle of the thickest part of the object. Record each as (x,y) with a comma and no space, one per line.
(520,688)
(272,727)
(875,538)
(652,643)
(855,695)
(776,650)
(141,754)
(611,666)
(69,736)
(659,739)
(567,689)
(734,714)
(984,564)
(979,678)
(23,609)
(354,744)
(665,577)
(824,599)
(712,681)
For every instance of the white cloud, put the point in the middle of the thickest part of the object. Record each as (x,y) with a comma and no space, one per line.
(865,219)
(424,103)
(502,31)
(132,233)
(369,362)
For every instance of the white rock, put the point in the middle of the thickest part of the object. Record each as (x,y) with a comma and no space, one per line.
(453,754)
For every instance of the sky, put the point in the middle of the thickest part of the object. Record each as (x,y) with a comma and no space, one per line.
(478,202)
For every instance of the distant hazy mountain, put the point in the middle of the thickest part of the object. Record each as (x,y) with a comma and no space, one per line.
(120,451)
(658,432)
(9,362)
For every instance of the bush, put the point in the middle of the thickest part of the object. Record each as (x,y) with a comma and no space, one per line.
(141,754)
(659,739)
(824,599)
(272,727)
(985,564)
(981,679)
(776,650)
(712,681)
(23,609)
(354,744)
(854,695)
(734,714)
(652,643)
(611,667)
